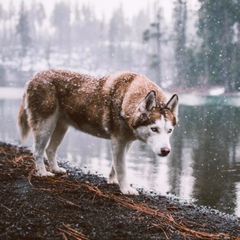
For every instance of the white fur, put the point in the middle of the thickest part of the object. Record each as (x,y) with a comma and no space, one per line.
(48,137)
(157,140)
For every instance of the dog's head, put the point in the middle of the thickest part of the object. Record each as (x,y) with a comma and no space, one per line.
(153,122)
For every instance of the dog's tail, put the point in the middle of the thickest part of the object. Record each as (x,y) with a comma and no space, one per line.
(23,119)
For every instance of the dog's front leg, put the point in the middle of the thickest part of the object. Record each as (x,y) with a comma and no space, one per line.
(118,171)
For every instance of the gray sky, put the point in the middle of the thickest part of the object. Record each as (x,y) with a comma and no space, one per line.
(131,7)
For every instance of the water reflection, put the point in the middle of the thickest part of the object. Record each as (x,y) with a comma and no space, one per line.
(204,165)
(211,134)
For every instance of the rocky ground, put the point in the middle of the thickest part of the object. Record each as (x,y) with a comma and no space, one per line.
(84,206)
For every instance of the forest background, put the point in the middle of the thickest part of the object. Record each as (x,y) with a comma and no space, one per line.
(198,49)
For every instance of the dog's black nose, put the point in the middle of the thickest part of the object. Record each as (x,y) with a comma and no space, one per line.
(165,151)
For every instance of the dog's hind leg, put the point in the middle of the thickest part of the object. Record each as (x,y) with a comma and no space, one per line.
(112,176)
(56,138)
(42,133)
(119,150)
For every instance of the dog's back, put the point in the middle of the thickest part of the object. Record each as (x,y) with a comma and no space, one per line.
(82,101)
(89,104)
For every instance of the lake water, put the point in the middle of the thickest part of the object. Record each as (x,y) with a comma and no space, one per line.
(203,167)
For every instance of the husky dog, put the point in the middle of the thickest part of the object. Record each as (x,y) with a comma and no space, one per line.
(121,107)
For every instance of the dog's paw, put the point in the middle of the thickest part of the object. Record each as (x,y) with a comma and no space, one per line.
(59,170)
(44,174)
(112,180)
(129,191)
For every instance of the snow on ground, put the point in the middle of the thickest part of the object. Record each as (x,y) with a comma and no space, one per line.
(216,91)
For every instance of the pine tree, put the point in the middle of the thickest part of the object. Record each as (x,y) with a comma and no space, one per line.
(215,30)
(23,30)
(180,14)
(118,31)
(61,22)
(153,37)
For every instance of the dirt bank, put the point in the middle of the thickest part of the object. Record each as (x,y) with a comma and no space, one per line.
(83,206)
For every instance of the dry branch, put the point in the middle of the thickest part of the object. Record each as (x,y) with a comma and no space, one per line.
(73,233)
(165,218)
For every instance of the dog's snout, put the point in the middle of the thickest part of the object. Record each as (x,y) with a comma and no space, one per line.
(165,151)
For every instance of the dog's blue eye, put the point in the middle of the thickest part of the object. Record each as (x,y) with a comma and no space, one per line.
(170,130)
(154,129)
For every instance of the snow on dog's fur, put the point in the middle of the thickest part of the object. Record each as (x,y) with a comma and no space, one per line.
(121,107)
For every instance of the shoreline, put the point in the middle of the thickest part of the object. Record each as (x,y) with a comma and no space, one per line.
(83,206)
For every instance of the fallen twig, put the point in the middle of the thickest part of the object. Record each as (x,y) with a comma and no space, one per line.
(73,233)
(5,207)
(69,202)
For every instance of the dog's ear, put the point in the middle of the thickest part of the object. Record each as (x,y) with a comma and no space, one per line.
(172,105)
(149,102)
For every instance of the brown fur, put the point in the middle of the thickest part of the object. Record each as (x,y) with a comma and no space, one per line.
(22,120)
(83,101)
(115,107)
